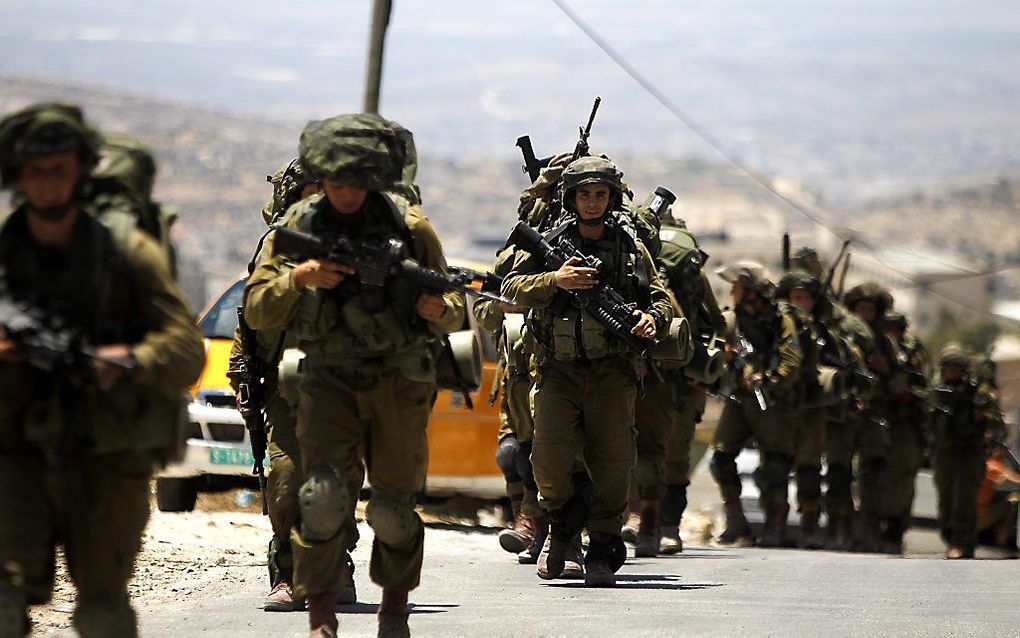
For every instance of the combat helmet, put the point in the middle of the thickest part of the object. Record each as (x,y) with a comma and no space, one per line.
(896,318)
(869,291)
(44,129)
(288,182)
(360,150)
(954,354)
(798,279)
(749,274)
(591,170)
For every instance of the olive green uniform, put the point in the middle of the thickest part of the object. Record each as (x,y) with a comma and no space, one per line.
(360,355)
(777,354)
(89,454)
(587,379)
(808,420)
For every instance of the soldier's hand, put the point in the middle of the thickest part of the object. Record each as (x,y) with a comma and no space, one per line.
(752,379)
(320,274)
(431,307)
(570,276)
(645,326)
(9,350)
(108,373)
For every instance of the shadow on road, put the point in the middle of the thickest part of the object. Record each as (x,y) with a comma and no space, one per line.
(369,608)
(646,581)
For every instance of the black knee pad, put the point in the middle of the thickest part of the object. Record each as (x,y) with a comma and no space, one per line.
(724,468)
(506,458)
(524,467)
(773,471)
(611,550)
(809,482)
(838,479)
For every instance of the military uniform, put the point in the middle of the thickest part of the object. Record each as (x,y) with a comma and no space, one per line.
(365,347)
(777,357)
(89,452)
(959,451)
(587,380)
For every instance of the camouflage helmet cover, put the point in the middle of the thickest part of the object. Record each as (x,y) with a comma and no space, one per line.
(872,292)
(896,318)
(954,354)
(591,170)
(288,182)
(43,129)
(749,274)
(798,279)
(360,150)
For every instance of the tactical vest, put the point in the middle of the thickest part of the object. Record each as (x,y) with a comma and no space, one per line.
(90,288)
(765,332)
(353,323)
(566,332)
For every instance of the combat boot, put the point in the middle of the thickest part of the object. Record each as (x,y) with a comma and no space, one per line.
(606,554)
(393,614)
(669,540)
(349,594)
(573,563)
(322,615)
(530,555)
(553,557)
(647,543)
(281,598)
(598,574)
(810,533)
(892,535)
(519,537)
(737,532)
(871,539)
(774,534)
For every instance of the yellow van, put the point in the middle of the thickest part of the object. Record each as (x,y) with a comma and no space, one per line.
(462,441)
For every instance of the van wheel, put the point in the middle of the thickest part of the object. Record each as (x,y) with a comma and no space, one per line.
(175,494)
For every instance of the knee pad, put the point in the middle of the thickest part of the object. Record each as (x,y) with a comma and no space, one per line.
(723,467)
(506,458)
(809,482)
(838,478)
(393,518)
(324,501)
(524,467)
(13,612)
(106,616)
(773,471)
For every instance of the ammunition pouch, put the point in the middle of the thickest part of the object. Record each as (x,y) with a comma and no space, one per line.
(290,369)
(513,341)
(707,363)
(459,362)
(675,348)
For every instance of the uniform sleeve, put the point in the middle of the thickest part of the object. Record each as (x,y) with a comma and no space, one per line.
(789,355)
(711,306)
(661,303)
(528,284)
(271,295)
(171,355)
(234,362)
(430,255)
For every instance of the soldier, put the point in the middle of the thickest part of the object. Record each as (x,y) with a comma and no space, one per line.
(668,409)
(369,377)
(765,359)
(972,418)
(291,184)
(587,377)
(87,430)
(866,434)
(802,290)
(907,415)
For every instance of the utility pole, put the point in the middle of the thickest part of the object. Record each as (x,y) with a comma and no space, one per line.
(376,44)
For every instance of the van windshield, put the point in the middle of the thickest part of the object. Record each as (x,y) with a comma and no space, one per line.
(220,321)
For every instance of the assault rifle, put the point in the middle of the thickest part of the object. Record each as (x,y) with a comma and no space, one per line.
(581,149)
(603,303)
(47,342)
(251,402)
(375,263)
(533,165)
(742,361)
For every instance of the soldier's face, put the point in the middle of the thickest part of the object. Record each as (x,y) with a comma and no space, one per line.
(591,200)
(48,182)
(866,310)
(802,299)
(346,200)
(951,372)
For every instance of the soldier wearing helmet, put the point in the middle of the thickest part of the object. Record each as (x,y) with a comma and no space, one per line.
(908,429)
(584,401)
(970,417)
(369,360)
(765,357)
(82,429)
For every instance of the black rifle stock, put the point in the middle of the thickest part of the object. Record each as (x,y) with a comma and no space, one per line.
(251,398)
(603,303)
(532,164)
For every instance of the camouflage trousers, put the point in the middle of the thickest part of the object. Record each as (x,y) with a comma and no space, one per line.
(808,448)
(904,461)
(665,416)
(678,447)
(96,507)
(866,441)
(586,409)
(959,470)
(515,420)
(773,432)
(377,416)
